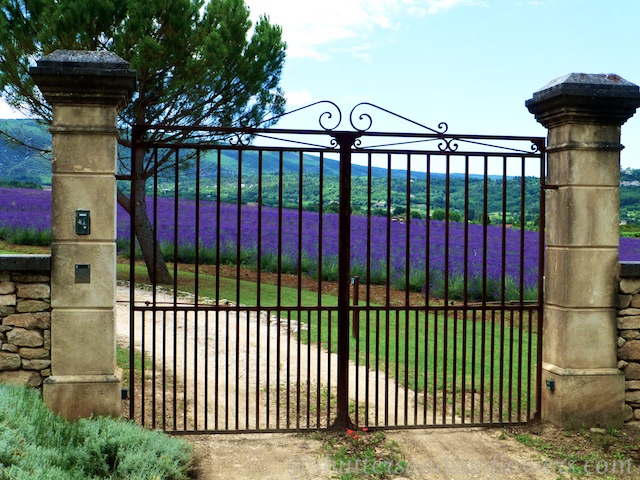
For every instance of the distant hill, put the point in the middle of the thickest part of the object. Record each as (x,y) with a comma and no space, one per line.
(19,163)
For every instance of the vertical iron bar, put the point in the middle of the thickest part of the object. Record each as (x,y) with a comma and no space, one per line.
(427,293)
(217,292)
(465,295)
(355,332)
(454,373)
(176,216)
(288,371)
(259,292)
(503,299)
(540,303)
(426,365)
(299,335)
(236,380)
(320,270)
(206,370)
(196,295)
(407,286)
(368,291)
(268,372)
(175,369)
(435,366)
(329,329)
(387,311)
(416,356)
(132,273)
(445,314)
(319,370)
(309,367)
(142,367)
(345,141)
(377,397)
(227,362)
(397,366)
(521,284)
(473,364)
(485,293)
(164,370)
(511,341)
(529,359)
(279,285)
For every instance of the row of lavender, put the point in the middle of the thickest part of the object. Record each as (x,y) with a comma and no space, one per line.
(405,254)
(417,255)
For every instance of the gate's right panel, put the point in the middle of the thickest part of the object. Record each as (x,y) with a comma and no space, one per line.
(447,261)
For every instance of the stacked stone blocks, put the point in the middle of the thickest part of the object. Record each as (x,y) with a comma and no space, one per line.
(25,327)
(629,339)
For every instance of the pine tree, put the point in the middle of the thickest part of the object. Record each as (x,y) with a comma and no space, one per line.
(197,63)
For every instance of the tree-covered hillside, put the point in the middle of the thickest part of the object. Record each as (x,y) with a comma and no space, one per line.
(20,165)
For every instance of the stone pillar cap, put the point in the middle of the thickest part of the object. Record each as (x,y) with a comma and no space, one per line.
(83,77)
(585,98)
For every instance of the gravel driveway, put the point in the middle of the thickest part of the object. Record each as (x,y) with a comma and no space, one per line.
(431,453)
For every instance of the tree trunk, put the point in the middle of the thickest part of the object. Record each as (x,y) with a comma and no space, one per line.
(151,253)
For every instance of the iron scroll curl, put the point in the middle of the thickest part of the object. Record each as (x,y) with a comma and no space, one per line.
(366,118)
(448,145)
(323,118)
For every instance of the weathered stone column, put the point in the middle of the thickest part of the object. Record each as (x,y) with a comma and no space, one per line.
(86,91)
(581,384)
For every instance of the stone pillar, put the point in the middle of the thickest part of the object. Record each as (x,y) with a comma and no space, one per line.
(581,384)
(86,91)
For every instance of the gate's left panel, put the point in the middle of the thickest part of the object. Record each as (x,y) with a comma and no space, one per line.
(240,339)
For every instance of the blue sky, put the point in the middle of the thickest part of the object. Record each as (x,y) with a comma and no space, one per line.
(470,63)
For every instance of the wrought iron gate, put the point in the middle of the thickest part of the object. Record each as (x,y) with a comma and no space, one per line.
(333,277)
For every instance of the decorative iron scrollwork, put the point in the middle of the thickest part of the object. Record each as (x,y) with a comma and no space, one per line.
(328,115)
(322,119)
(239,139)
(355,118)
(535,148)
(448,145)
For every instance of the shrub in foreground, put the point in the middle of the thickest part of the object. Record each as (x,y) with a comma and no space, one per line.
(35,443)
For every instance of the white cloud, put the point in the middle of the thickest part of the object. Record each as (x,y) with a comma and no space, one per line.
(435,6)
(311,28)
(8,112)
(299,98)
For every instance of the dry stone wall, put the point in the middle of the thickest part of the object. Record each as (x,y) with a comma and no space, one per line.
(25,319)
(629,337)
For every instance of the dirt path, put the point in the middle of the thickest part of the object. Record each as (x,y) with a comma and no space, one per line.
(248,371)
(250,344)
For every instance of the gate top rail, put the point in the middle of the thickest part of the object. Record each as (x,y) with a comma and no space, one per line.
(212,136)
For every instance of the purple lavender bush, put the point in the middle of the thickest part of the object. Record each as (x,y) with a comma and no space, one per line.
(417,255)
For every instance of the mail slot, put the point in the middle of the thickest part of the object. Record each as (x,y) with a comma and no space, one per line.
(83,273)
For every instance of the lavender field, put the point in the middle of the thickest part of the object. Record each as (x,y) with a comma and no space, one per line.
(254,233)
